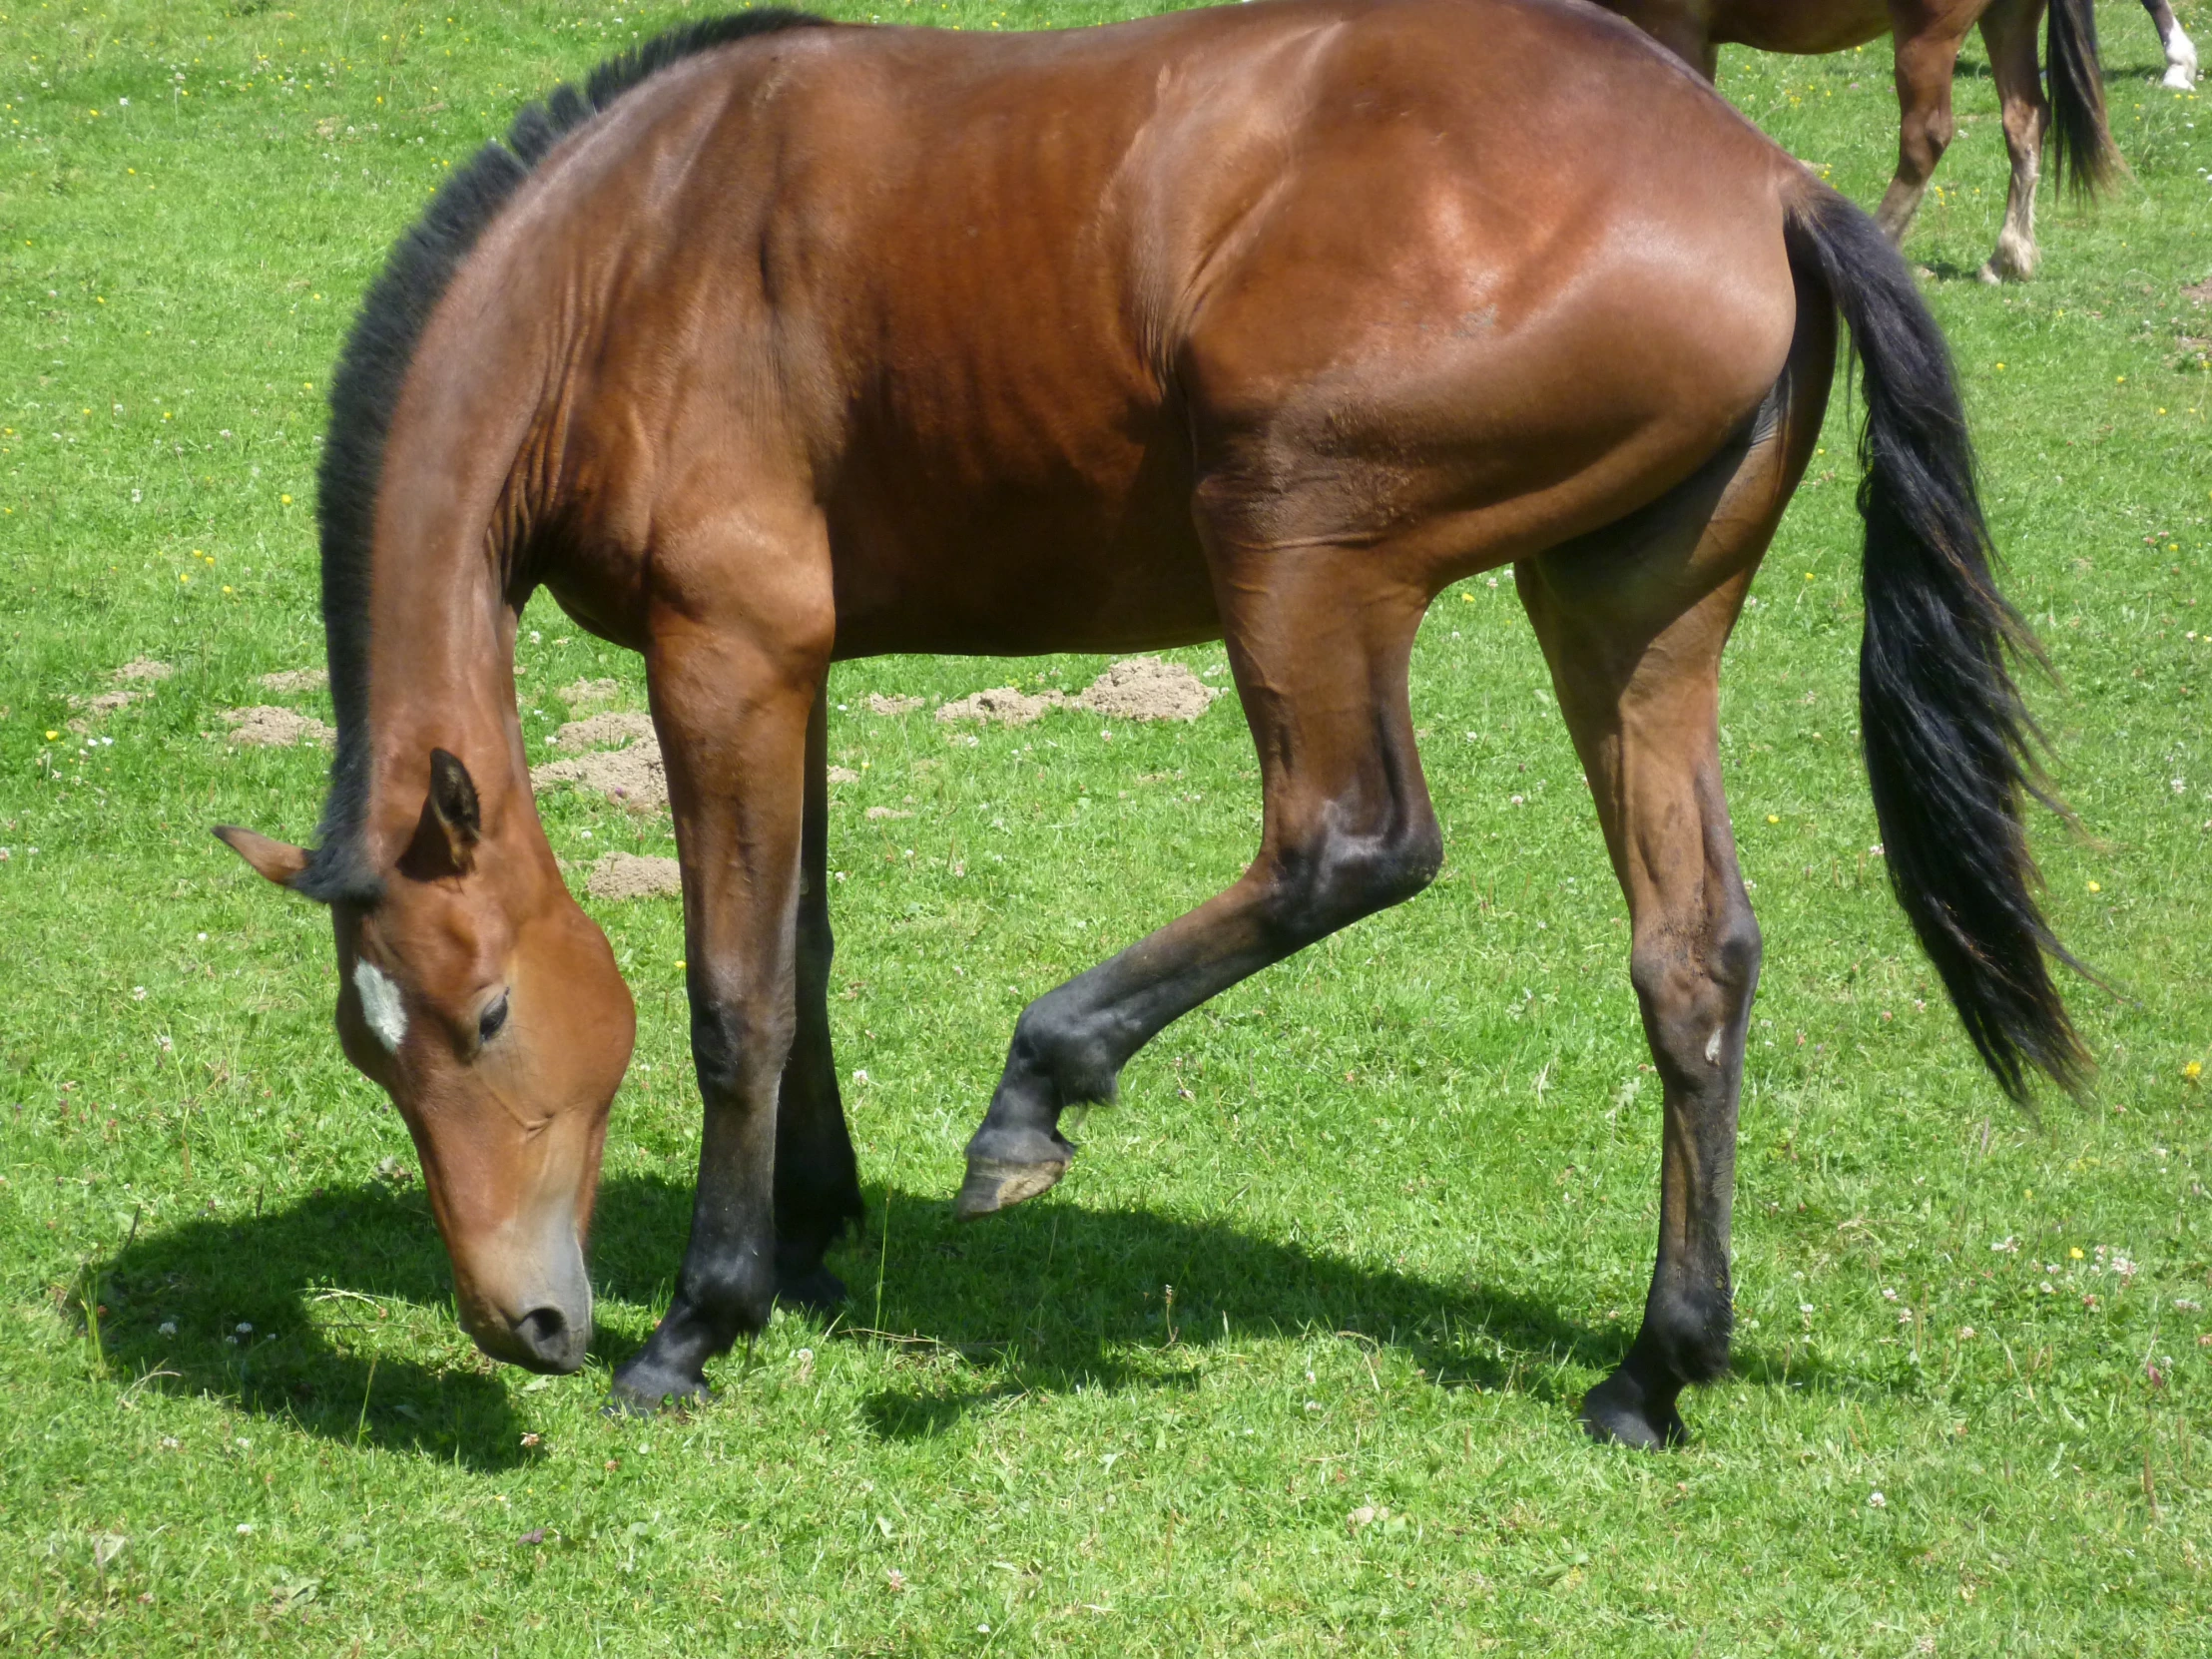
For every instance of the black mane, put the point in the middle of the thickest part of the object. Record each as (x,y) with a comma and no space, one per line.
(365,390)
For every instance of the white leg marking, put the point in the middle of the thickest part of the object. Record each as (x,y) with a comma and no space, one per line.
(2182,62)
(380,1004)
(1713,1048)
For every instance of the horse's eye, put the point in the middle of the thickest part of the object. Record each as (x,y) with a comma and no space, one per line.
(492,1019)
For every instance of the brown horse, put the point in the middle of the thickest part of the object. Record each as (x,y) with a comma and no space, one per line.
(784,342)
(1929,33)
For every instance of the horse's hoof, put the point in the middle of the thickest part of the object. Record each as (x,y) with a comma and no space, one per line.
(994,1184)
(644,1391)
(817,1290)
(1618,1410)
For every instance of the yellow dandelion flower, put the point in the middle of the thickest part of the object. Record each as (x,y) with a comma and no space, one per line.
(286,499)
(1774,817)
(2096,887)
(2193,1070)
(2074,1254)
(51,736)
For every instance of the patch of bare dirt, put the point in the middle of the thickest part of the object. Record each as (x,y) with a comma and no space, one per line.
(843,775)
(1003,704)
(585,696)
(611,730)
(1144,688)
(290,682)
(884,811)
(267,728)
(634,774)
(892,708)
(133,682)
(632,876)
(2199,294)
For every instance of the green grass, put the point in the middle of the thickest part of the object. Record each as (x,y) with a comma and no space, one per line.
(1403,1187)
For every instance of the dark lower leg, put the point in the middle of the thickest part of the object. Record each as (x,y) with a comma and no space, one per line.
(817,1188)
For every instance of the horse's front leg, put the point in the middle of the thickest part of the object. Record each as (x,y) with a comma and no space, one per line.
(817,1187)
(732,720)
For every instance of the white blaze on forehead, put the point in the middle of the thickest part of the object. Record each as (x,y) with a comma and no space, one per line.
(380,1004)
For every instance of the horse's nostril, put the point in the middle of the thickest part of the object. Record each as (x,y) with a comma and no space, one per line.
(547,1337)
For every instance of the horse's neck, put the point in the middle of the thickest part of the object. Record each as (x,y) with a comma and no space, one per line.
(441,632)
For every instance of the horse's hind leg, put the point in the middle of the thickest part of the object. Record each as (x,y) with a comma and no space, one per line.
(2009,30)
(1632,622)
(2181,52)
(1320,641)
(1927,53)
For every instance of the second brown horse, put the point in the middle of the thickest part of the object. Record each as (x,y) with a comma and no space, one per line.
(1928,34)
(782,343)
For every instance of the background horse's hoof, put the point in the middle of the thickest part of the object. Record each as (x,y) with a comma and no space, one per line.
(993,1185)
(817,1291)
(642,1391)
(1618,1410)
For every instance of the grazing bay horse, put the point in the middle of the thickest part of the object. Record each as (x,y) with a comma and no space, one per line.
(1929,33)
(782,343)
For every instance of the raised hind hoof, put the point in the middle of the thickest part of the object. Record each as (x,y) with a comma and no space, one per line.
(1619,1409)
(816,1290)
(644,1391)
(994,1184)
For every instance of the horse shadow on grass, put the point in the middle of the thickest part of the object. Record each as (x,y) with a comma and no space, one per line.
(1055,1297)
(288,1312)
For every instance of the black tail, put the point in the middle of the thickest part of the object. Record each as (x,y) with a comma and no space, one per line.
(1947,741)
(2081,148)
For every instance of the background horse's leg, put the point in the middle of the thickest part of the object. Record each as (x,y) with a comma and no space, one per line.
(1678,25)
(817,1187)
(1632,622)
(733,715)
(2009,30)
(1927,40)
(1320,641)
(2181,52)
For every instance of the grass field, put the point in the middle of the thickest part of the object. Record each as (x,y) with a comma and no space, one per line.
(1290,1361)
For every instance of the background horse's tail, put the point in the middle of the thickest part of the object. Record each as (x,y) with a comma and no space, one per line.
(2080,140)
(1947,741)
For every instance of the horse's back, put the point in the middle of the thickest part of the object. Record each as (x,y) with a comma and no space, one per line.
(1355,261)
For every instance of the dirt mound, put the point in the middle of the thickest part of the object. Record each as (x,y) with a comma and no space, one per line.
(606,732)
(891,707)
(634,774)
(630,876)
(1003,704)
(1144,688)
(267,728)
(586,695)
(290,681)
(140,672)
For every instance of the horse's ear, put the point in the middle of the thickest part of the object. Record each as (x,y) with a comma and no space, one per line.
(278,861)
(445,839)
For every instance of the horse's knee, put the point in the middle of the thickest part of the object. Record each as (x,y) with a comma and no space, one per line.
(739,1043)
(1695,989)
(1337,877)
